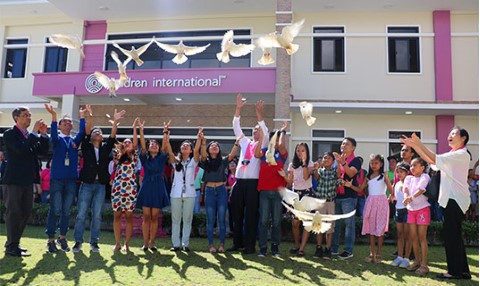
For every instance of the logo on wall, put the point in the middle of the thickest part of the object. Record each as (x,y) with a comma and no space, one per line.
(92,85)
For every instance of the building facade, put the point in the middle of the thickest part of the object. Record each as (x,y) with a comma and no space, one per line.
(372,71)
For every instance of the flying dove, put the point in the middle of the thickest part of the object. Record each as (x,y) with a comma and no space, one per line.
(122,70)
(134,53)
(305,204)
(284,40)
(181,51)
(266,43)
(289,196)
(270,154)
(317,222)
(306,109)
(110,84)
(232,49)
(67,41)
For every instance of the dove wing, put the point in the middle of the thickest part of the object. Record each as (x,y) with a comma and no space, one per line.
(291,31)
(114,56)
(103,79)
(311,204)
(310,120)
(124,51)
(339,216)
(241,50)
(325,226)
(144,48)
(193,50)
(301,215)
(268,41)
(307,225)
(228,37)
(288,196)
(64,41)
(168,48)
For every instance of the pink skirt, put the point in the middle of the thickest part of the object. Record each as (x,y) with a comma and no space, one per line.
(375,215)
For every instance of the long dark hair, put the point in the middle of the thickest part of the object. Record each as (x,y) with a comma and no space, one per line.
(382,169)
(463,133)
(178,160)
(212,164)
(296,161)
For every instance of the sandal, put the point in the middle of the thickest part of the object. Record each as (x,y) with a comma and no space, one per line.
(144,248)
(378,259)
(422,270)
(117,247)
(369,259)
(414,266)
(294,250)
(221,248)
(212,249)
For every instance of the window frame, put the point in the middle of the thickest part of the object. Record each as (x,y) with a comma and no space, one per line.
(45,56)
(5,57)
(396,141)
(325,139)
(387,53)
(344,49)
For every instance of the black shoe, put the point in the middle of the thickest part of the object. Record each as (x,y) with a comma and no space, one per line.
(144,248)
(76,248)
(327,254)
(153,248)
(293,250)
(63,244)
(262,253)
(94,247)
(274,249)
(318,252)
(17,253)
(249,251)
(186,249)
(175,249)
(345,255)
(22,249)
(52,247)
(234,248)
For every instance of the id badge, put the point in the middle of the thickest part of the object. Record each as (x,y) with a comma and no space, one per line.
(67,162)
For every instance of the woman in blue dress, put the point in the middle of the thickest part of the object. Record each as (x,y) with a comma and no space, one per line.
(152,196)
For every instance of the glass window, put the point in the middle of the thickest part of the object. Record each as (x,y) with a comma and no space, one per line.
(55,59)
(328,52)
(156,58)
(321,146)
(403,52)
(16,59)
(395,146)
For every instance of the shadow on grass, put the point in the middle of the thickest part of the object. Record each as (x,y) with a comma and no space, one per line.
(9,264)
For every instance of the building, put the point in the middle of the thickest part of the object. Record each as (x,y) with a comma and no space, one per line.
(373,70)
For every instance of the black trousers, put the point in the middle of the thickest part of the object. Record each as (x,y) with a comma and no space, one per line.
(454,247)
(19,204)
(244,202)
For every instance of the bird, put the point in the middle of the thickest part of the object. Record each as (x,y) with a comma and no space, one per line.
(266,44)
(305,204)
(122,67)
(67,41)
(317,222)
(288,196)
(181,51)
(284,40)
(134,53)
(306,109)
(270,154)
(110,84)
(229,48)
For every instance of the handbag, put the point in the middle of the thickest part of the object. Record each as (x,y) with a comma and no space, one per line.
(433,187)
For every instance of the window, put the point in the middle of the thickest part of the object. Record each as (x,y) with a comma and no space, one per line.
(329,52)
(326,141)
(55,59)
(16,59)
(156,58)
(394,145)
(403,52)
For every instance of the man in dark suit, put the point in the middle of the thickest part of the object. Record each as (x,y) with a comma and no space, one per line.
(22,149)
(3,165)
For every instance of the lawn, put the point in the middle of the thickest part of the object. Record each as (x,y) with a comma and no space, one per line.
(202,268)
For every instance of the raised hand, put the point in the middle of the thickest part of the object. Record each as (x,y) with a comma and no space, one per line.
(43,128)
(82,111)
(50,109)
(284,126)
(166,125)
(118,115)
(135,122)
(38,124)
(240,101)
(200,133)
(141,124)
(259,106)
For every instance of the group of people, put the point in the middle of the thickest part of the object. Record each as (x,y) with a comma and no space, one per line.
(254,202)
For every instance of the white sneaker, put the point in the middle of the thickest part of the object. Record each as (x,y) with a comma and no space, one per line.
(397,261)
(405,263)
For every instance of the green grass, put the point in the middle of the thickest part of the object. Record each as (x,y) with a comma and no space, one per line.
(202,268)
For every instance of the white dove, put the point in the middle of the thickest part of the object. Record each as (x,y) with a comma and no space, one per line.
(305,204)
(122,70)
(285,39)
(181,50)
(306,109)
(270,154)
(266,44)
(134,53)
(317,222)
(110,84)
(229,48)
(288,196)
(67,41)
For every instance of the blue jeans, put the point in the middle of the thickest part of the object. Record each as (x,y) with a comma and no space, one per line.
(216,201)
(44,196)
(89,196)
(196,208)
(62,194)
(360,206)
(182,210)
(343,206)
(270,208)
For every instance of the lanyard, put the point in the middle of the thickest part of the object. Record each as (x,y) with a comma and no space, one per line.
(184,170)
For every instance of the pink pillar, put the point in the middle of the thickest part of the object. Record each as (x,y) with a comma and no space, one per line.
(444,123)
(94,54)
(443,56)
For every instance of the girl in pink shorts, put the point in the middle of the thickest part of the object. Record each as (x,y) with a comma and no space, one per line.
(418,213)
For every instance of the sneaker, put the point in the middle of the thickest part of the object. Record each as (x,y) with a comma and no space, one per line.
(52,247)
(397,261)
(76,248)
(94,247)
(405,263)
(345,255)
(275,251)
(263,252)
(334,252)
(63,244)
(327,254)
(318,252)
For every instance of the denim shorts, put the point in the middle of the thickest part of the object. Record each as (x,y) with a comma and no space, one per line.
(401,215)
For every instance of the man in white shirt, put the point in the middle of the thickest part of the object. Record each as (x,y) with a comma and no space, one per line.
(244,198)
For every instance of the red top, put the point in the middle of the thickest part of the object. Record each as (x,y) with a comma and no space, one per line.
(45,179)
(269,179)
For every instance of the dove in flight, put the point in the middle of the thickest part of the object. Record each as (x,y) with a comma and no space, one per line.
(305,204)
(284,40)
(288,196)
(181,51)
(270,154)
(122,67)
(229,48)
(134,53)
(317,222)
(67,41)
(110,84)
(266,43)
(306,109)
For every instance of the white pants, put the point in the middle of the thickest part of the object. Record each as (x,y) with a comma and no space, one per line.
(182,209)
